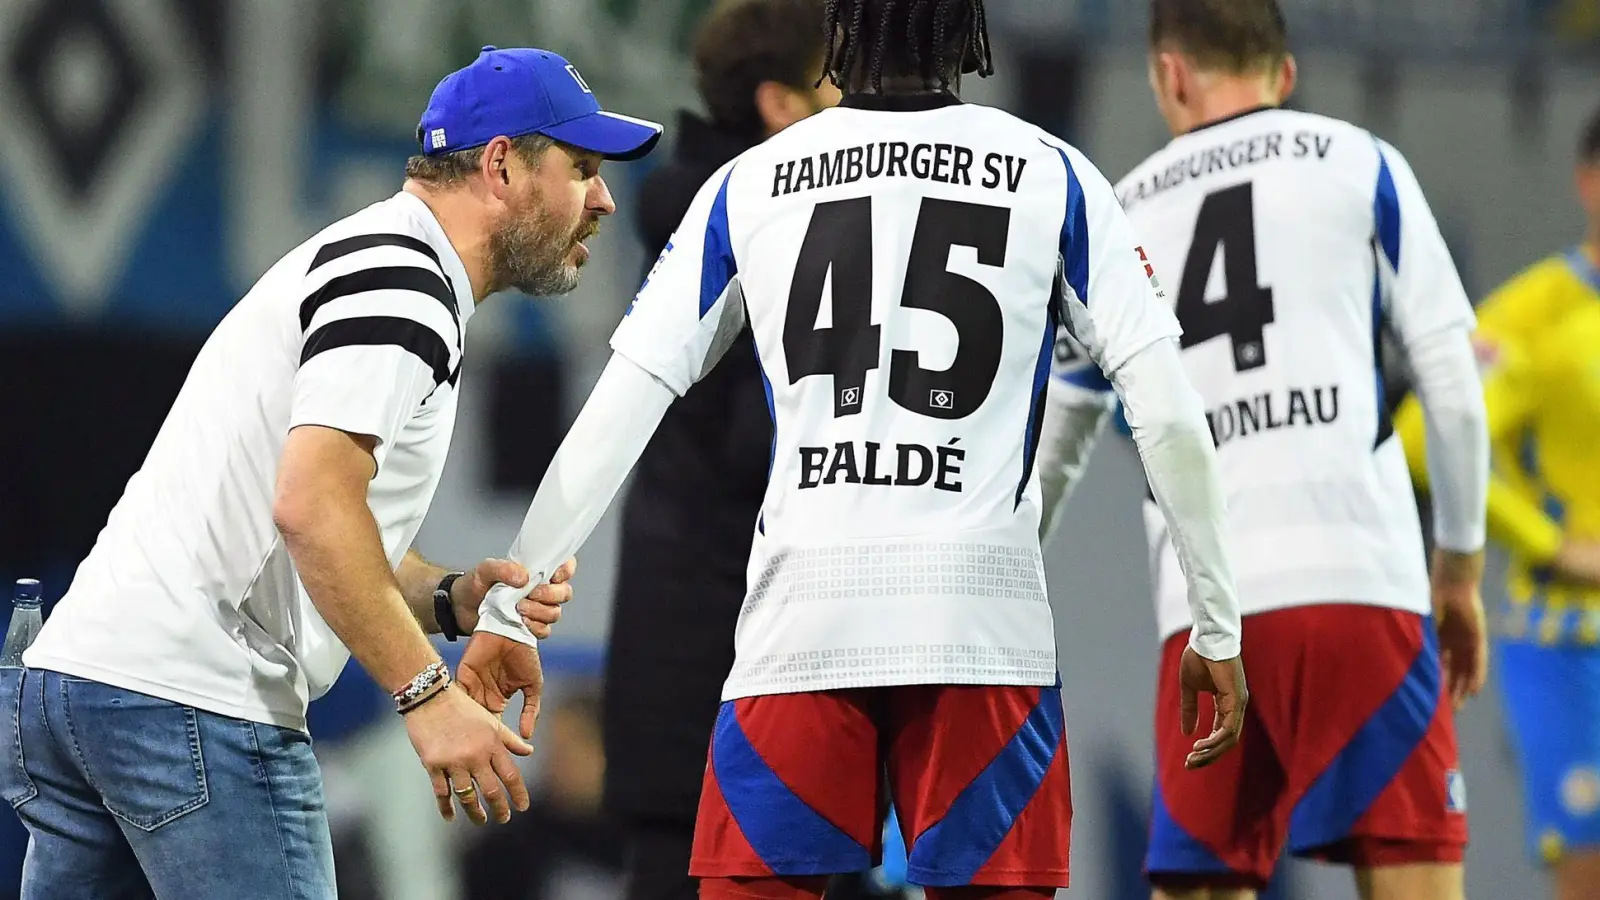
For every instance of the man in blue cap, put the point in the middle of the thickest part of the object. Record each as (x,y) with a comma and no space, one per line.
(545,112)
(154,740)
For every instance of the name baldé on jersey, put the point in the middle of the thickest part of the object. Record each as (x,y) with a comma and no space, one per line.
(1232,155)
(944,163)
(870,463)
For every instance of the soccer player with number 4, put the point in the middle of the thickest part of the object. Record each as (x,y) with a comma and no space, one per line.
(1297,240)
(903,262)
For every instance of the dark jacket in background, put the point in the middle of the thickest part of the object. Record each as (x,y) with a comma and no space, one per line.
(686,531)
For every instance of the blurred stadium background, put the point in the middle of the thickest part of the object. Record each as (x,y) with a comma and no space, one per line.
(157,155)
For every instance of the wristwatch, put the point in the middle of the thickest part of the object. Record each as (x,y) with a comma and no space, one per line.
(443,611)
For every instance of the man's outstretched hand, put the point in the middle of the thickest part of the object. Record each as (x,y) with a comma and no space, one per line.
(494,668)
(1224,680)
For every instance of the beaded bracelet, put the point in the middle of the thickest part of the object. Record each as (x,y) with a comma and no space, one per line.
(424,686)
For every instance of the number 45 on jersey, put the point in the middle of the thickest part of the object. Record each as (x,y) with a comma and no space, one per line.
(839,239)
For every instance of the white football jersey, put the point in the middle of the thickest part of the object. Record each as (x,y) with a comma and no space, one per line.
(1289,242)
(903,264)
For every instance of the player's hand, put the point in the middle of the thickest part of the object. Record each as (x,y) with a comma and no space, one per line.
(1463,629)
(542,609)
(1578,561)
(467,752)
(466,595)
(1224,679)
(494,668)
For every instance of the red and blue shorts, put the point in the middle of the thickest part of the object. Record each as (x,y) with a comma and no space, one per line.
(799,785)
(1348,753)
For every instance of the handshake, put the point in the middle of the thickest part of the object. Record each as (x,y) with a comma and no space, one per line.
(460,736)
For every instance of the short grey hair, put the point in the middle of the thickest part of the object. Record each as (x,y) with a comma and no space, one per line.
(448,169)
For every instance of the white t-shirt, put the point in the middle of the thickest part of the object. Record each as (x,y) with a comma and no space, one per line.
(1288,243)
(189,593)
(903,270)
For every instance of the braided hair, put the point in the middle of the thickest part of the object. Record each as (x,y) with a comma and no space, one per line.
(907,37)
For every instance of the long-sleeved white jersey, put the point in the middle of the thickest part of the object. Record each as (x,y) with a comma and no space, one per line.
(903,264)
(1289,243)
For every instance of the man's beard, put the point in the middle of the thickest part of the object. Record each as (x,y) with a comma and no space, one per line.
(530,253)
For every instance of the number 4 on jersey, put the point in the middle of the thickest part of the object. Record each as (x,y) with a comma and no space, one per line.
(1227,218)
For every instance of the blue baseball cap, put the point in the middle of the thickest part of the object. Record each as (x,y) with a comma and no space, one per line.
(520,91)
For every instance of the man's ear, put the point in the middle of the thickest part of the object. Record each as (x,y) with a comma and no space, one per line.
(494,166)
(1288,77)
(1174,73)
(779,106)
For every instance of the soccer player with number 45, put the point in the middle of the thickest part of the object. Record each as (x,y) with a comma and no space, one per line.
(903,262)
(1296,241)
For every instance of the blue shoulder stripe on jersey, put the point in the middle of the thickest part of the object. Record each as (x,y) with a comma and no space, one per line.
(1386,228)
(717,266)
(772,413)
(1074,232)
(1346,789)
(1041,384)
(1386,212)
(1385,429)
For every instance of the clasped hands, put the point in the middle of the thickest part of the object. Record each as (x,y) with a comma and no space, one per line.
(495,668)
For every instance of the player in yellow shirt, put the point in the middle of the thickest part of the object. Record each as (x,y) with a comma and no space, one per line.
(1539,343)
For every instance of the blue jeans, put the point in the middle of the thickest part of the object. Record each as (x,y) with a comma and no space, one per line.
(127,796)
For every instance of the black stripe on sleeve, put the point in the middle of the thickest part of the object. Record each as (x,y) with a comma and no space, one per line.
(385,278)
(412,336)
(349,245)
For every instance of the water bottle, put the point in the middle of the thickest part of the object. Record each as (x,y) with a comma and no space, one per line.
(27,617)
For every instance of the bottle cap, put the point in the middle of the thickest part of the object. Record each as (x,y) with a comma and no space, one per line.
(27,590)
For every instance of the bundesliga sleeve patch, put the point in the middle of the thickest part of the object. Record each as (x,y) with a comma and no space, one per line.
(651,274)
(1150,272)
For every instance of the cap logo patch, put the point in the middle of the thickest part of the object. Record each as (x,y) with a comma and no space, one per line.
(573,71)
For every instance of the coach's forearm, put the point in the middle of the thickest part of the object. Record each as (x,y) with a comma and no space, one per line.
(1169,427)
(321,510)
(339,555)
(418,579)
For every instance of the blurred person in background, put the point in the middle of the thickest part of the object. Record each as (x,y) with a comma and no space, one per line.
(157,740)
(691,510)
(1538,340)
(1290,242)
(562,848)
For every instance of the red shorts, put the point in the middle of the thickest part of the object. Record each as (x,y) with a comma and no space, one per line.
(1348,753)
(799,784)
